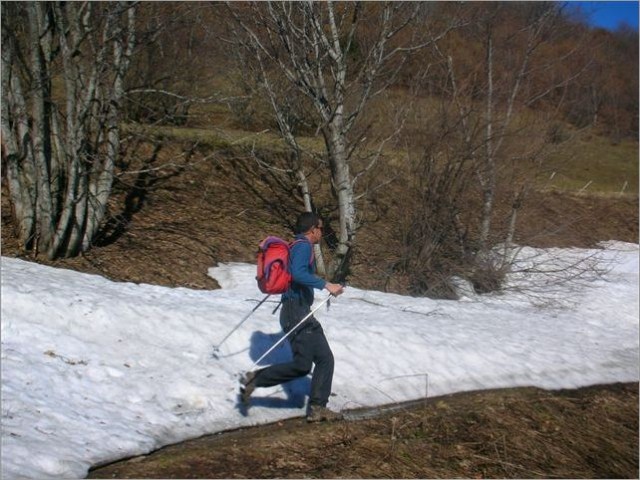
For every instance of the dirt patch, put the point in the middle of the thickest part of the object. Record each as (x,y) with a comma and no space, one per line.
(516,433)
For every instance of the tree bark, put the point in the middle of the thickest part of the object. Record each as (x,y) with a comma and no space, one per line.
(488,170)
(60,161)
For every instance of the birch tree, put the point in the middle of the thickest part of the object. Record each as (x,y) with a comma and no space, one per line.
(517,72)
(63,73)
(310,45)
(485,146)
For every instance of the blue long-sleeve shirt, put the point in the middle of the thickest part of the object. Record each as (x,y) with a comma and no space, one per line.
(303,271)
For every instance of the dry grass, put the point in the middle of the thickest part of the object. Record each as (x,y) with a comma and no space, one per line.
(518,433)
(596,165)
(212,206)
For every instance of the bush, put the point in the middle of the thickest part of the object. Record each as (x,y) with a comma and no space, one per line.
(488,275)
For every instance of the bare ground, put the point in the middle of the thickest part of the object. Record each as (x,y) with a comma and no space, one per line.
(183,213)
(516,433)
(183,210)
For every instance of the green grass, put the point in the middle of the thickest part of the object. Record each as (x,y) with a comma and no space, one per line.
(214,138)
(590,164)
(224,138)
(596,165)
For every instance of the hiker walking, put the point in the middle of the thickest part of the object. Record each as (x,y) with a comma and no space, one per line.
(308,343)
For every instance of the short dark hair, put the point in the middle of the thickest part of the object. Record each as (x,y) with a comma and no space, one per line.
(306,221)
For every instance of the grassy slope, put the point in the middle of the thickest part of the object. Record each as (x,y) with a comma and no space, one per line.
(599,165)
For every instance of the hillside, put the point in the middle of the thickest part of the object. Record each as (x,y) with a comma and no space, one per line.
(187,212)
(192,191)
(185,204)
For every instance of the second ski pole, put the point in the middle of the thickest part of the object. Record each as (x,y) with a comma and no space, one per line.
(216,348)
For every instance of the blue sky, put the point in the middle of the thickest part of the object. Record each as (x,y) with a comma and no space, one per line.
(609,14)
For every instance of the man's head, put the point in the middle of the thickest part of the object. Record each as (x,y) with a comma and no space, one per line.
(310,224)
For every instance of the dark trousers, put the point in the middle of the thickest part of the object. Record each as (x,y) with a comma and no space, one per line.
(309,346)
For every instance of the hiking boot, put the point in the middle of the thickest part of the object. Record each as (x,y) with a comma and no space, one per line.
(247,386)
(322,414)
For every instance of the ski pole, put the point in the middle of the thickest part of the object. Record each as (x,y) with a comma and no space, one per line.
(255,364)
(216,348)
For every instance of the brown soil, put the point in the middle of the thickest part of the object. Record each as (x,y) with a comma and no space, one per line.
(517,433)
(186,210)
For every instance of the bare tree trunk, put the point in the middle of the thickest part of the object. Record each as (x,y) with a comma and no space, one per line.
(496,123)
(518,200)
(101,187)
(487,172)
(15,144)
(295,158)
(40,129)
(60,161)
(343,186)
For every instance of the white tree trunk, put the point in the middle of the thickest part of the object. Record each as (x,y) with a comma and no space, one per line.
(308,45)
(60,161)
(15,145)
(488,170)
(40,130)
(343,185)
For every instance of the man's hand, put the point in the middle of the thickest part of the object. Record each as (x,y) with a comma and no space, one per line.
(335,289)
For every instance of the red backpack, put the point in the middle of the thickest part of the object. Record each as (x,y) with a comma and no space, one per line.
(273,265)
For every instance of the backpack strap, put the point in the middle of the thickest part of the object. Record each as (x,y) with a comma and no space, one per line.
(311,258)
(299,240)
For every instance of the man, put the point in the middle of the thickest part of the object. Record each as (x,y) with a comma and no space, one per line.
(308,343)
